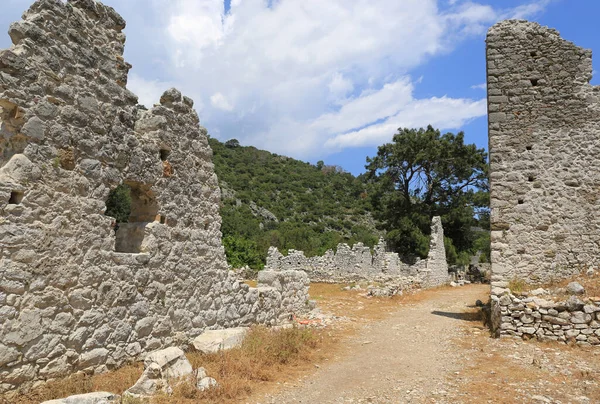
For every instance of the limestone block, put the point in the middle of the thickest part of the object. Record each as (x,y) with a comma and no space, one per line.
(575,288)
(212,341)
(161,369)
(90,398)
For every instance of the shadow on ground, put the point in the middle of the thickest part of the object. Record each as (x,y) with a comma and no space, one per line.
(476,316)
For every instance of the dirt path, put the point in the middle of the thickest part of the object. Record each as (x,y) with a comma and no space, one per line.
(404,358)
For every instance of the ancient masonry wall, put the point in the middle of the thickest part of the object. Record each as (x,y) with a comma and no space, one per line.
(358,263)
(545,175)
(534,317)
(544,171)
(73,295)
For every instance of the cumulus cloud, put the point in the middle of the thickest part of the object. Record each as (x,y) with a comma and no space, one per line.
(303,77)
(148,91)
(444,112)
(219,101)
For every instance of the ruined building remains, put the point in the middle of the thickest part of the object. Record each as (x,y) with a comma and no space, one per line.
(74,293)
(545,175)
(359,264)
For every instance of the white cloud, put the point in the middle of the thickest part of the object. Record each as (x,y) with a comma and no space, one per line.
(340,86)
(482,86)
(148,91)
(219,101)
(303,77)
(444,113)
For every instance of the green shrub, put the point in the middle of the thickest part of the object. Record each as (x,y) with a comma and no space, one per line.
(118,204)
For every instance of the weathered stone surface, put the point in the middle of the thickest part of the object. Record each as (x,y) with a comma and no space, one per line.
(90,398)
(575,288)
(542,146)
(76,290)
(161,370)
(207,383)
(543,129)
(212,341)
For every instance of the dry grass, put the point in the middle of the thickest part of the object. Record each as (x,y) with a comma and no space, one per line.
(358,307)
(265,357)
(115,382)
(591,283)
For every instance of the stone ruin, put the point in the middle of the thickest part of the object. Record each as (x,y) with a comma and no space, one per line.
(76,291)
(359,264)
(545,178)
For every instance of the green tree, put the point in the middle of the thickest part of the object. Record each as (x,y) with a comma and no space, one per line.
(421,174)
(118,204)
(232,143)
(241,251)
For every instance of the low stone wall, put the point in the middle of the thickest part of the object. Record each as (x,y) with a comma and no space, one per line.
(292,292)
(359,264)
(571,320)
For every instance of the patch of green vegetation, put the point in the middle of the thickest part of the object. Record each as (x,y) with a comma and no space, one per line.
(316,206)
(118,204)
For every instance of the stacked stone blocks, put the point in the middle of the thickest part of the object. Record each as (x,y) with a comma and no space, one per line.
(359,264)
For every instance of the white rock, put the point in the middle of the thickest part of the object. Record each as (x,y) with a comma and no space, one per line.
(207,383)
(101,397)
(538,292)
(575,288)
(215,340)
(172,362)
(162,368)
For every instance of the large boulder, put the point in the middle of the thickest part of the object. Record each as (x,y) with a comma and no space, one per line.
(161,369)
(219,340)
(100,397)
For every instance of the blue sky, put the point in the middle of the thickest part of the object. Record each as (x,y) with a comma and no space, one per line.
(326,80)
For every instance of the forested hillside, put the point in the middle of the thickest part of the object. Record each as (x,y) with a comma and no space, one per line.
(272,200)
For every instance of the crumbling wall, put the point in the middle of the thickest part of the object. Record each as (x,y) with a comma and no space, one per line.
(73,294)
(358,263)
(544,177)
(543,130)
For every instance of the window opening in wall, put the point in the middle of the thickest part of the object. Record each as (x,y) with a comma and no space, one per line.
(520,201)
(164,154)
(534,82)
(533,54)
(134,206)
(529,147)
(16,197)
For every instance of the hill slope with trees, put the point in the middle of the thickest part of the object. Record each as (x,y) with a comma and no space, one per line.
(273,200)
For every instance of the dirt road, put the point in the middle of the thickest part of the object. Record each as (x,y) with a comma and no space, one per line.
(404,358)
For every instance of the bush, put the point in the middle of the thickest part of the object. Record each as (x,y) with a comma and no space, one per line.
(118,204)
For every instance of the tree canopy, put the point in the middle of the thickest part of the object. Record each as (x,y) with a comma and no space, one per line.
(423,173)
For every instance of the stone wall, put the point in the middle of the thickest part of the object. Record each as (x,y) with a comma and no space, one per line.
(78,292)
(545,178)
(358,263)
(530,316)
(545,174)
